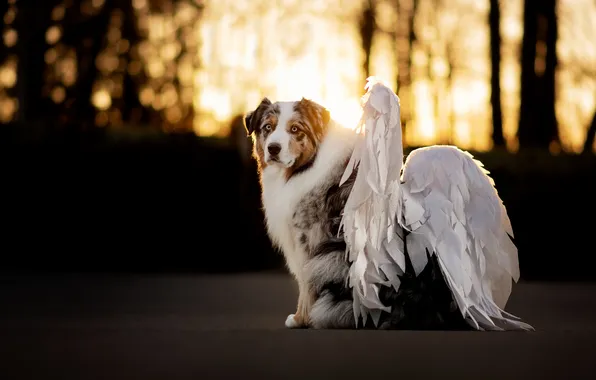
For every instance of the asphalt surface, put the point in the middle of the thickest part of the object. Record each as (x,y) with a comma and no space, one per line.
(232,327)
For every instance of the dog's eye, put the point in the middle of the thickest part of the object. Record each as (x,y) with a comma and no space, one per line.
(267,127)
(294,129)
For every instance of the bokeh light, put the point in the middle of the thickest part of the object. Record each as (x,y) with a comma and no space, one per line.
(196,64)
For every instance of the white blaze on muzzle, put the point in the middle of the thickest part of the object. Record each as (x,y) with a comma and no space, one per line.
(277,144)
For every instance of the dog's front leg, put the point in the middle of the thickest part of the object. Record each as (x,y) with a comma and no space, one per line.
(301,318)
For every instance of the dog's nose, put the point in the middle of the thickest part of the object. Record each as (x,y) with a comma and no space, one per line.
(274,149)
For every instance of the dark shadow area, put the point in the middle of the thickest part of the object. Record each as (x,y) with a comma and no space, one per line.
(231,327)
(109,201)
(93,201)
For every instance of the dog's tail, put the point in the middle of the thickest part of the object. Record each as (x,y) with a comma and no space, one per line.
(327,272)
(423,302)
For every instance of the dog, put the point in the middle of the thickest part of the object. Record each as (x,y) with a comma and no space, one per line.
(301,155)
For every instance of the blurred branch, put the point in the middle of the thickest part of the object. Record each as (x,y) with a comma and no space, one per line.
(579,70)
(164,5)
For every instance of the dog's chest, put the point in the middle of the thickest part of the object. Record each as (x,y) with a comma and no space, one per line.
(280,201)
(293,207)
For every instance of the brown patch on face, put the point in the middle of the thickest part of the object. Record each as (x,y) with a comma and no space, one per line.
(265,114)
(314,114)
(307,129)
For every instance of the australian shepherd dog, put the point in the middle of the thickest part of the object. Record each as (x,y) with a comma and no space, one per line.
(302,154)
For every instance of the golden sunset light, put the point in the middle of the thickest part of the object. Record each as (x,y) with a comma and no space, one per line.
(204,66)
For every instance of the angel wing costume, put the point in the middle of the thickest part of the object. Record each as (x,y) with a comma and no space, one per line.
(446,204)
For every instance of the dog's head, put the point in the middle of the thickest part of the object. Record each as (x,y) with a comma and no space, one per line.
(287,134)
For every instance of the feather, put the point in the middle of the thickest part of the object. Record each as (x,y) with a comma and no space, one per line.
(476,255)
(445,199)
(372,210)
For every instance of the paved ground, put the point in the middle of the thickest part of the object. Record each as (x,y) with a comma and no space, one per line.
(216,327)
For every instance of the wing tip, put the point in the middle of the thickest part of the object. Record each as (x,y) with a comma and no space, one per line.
(375,82)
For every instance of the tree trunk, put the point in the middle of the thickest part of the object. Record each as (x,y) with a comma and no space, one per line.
(589,143)
(83,108)
(367,31)
(4,6)
(33,19)
(528,78)
(537,121)
(548,131)
(132,110)
(495,53)
(405,36)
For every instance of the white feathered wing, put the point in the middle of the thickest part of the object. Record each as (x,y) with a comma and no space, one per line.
(370,223)
(447,202)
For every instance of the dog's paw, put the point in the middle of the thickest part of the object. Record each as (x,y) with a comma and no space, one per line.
(291,322)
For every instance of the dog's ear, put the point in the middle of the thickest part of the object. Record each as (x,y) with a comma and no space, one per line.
(253,118)
(318,115)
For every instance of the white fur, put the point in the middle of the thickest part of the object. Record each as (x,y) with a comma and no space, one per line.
(291,322)
(281,135)
(280,198)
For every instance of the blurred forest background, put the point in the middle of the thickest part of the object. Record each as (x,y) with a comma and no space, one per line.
(121,144)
